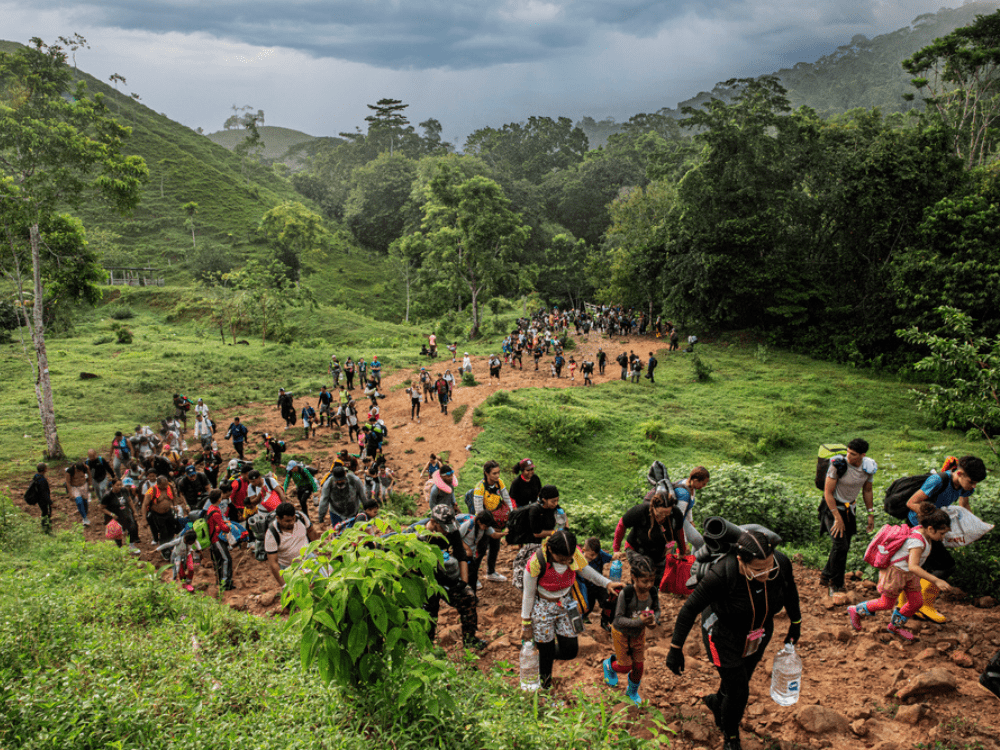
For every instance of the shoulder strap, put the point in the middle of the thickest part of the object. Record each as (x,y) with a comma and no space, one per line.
(945,481)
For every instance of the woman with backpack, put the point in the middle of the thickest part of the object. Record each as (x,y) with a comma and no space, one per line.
(549,615)
(904,571)
(491,494)
(738,599)
(525,487)
(654,528)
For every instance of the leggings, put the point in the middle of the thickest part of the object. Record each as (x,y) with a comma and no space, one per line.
(414,408)
(491,559)
(223,563)
(562,648)
(914,601)
(304,494)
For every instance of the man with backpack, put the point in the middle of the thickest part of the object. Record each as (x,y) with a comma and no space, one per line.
(181,406)
(238,432)
(101,474)
(943,489)
(121,452)
(287,407)
(650,366)
(39,493)
(193,486)
(222,561)
(305,483)
(622,360)
(343,493)
(847,476)
(285,537)
(324,404)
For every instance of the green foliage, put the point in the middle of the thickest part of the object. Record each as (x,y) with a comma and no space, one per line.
(966,372)
(120,312)
(701,369)
(357,607)
(559,430)
(458,412)
(374,209)
(298,234)
(123,334)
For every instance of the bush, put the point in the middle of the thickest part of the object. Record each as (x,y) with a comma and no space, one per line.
(702,370)
(123,334)
(120,312)
(468,379)
(100,340)
(458,412)
(499,398)
(652,429)
(357,608)
(558,429)
(748,494)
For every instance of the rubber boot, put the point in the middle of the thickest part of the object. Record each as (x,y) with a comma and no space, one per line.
(632,691)
(927,611)
(610,676)
(990,679)
(856,613)
(896,624)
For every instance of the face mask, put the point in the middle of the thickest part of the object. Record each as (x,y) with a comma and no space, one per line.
(559,568)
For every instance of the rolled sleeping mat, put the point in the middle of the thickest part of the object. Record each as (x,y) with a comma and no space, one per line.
(720,534)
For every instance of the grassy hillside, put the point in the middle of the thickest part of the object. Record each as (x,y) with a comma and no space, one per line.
(276,140)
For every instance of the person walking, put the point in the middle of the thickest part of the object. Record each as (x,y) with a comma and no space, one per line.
(738,600)
(238,433)
(637,610)
(846,478)
(491,494)
(40,493)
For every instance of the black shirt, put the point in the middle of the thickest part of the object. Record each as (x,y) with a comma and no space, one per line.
(99,469)
(117,503)
(522,492)
(649,538)
(541,518)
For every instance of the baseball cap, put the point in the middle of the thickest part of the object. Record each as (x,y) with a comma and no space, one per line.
(128,482)
(291,465)
(190,471)
(444,515)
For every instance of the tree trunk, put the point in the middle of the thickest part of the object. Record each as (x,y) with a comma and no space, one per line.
(43,383)
(474,333)
(407,297)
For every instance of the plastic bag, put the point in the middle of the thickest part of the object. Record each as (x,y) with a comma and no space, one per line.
(113,531)
(966,527)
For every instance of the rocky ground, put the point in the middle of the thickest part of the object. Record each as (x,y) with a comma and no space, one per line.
(867,689)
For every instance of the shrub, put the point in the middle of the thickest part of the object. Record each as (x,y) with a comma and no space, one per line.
(468,379)
(458,412)
(558,429)
(499,398)
(702,370)
(103,340)
(357,608)
(120,312)
(653,429)
(123,334)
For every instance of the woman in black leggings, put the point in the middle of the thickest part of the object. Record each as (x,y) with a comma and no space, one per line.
(739,598)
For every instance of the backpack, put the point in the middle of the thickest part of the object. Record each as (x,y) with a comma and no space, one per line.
(902,490)
(470,500)
(827,452)
(31,494)
(185,403)
(519,526)
(887,542)
(521,560)
(123,447)
(200,528)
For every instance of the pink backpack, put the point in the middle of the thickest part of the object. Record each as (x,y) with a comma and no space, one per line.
(887,543)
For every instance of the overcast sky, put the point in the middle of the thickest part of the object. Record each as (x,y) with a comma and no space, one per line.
(313,65)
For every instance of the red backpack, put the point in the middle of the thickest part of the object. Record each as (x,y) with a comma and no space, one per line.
(887,543)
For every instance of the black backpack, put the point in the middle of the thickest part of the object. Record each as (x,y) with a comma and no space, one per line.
(900,491)
(828,452)
(31,494)
(519,526)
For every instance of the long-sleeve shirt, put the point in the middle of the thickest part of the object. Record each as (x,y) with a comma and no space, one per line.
(627,620)
(302,478)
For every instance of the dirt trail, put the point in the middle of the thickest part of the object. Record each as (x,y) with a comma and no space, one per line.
(852,674)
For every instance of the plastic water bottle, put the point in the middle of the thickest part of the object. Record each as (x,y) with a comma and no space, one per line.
(529,667)
(615,572)
(786,679)
(560,519)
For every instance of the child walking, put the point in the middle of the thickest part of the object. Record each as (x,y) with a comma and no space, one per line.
(638,608)
(182,555)
(903,571)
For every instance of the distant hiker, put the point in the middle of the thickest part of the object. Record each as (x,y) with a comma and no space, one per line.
(324,404)
(335,371)
(343,493)
(39,493)
(453,348)
(466,363)
(117,506)
(78,488)
(181,406)
(202,431)
(426,384)
(305,483)
(636,369)
(587,369)
(377,371)
(650,366)
(495,365)
(309,420)
(218,527)
(287,407)
(846,478)
(491,494)
(432,342)
(121,452)
(622,360)
(674,340)
(101,474)
(602,360)
(443,393)
(238,432)
(349,373)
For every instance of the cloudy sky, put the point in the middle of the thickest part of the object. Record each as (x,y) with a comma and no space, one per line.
(313,65)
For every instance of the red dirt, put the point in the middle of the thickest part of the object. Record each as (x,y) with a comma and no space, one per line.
(851,673)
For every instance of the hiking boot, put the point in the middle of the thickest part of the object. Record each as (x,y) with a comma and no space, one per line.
(990,678)
(927,611)
(471,641)
(610,676)
(896,625)
(494,576)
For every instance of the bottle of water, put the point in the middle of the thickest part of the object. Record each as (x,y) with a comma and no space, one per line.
(615,572)
(786,679)
(560,519)
(529,667)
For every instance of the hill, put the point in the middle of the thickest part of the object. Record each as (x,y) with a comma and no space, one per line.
(290,147)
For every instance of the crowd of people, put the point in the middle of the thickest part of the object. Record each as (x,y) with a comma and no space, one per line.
(156,477)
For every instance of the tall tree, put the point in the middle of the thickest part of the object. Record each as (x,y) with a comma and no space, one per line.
(959,78)
(530,150)
(250,148)
(471,237)
(296,231)
(57,145)
(387,124)
(374,210)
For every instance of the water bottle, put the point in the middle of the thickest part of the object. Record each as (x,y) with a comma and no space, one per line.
(615,573)
(786,679)
(560,519)
(529,667)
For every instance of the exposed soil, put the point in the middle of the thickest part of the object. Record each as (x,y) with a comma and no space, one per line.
(854,674)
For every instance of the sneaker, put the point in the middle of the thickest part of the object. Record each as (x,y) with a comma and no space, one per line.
(86,522)
(134,549)
(494,576)
(473,642)
(900,631)
(852,612)
(479,585)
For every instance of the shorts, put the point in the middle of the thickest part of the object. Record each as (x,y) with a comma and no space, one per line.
(549,619)
(324,408)
(628,648)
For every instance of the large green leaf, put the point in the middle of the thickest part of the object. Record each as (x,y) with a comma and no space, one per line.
(357,640)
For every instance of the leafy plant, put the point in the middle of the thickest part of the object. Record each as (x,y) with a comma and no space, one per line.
(120,312)
(702,370)
(123,334)
(458,412)
(468,379)
(358,606)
